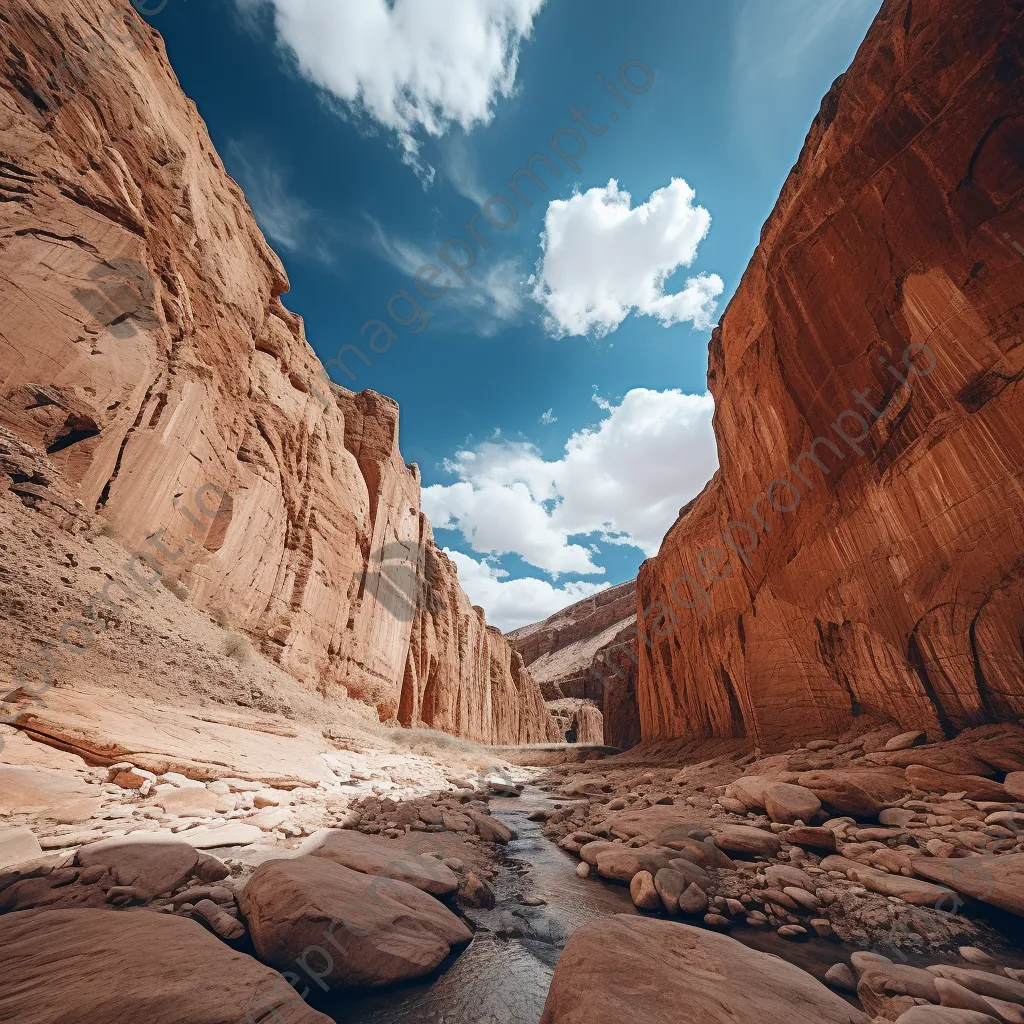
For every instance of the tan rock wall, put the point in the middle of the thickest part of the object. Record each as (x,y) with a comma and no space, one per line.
(559,650)
(145,345)
(894,584)
(580,652)
(578,720)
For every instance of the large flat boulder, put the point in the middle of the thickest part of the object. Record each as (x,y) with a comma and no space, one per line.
(975,787)
(998,881)
(132,966)
(18,845)
(375,856)
(647,822)
(26,789)
(788,803)
(749,790)
(620,863)
(747,841)
(882,987)
(626,968)
(944,1015)
(353,929)
(1000,746)
(194,801)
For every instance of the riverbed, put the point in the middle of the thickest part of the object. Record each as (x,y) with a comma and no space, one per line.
(503,975)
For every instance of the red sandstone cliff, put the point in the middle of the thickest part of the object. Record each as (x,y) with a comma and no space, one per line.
(893,583)
(146,349)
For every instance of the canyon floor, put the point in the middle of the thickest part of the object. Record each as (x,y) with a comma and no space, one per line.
(171,786)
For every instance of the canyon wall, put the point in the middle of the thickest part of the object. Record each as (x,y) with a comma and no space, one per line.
(579,721)
(615,671)
(146,349)
(559,650)
(584,652)
(862,548)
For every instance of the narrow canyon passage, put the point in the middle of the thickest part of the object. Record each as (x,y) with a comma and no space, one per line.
(605,607)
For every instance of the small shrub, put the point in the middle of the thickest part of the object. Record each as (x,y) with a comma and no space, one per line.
(239,647)
(108,531)
(220,616)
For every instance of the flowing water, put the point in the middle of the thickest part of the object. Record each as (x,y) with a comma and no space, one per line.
(503,975)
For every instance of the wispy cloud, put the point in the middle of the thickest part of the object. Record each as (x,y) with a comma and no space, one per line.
(777,40)
(494,298)
(785,54)
(548,417)
(285,218)
(460,168)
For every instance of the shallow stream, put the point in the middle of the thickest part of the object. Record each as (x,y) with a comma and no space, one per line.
(503,975)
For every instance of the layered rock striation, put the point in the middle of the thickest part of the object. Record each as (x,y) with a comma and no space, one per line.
(587,651)
(560,649)
(147,353)
(861,549)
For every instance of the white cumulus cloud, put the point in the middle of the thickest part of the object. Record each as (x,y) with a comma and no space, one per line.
(623,480)
(601,260)
(410,65)
(513,603)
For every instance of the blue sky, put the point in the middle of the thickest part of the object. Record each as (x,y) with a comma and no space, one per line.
(556,401)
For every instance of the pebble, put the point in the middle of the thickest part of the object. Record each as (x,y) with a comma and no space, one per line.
(974,955)
(716,921)
(693,900)
(643,891)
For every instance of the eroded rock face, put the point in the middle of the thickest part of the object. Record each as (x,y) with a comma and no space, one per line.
(893,583)
(615,665)
(578,720)
(147,353)
(587,651)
